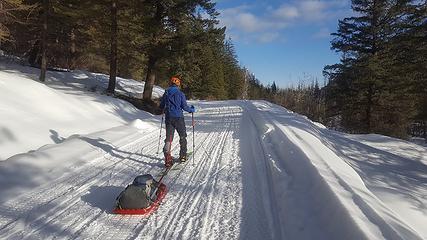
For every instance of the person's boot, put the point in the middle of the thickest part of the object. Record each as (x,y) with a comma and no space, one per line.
(183,158)
(168,160)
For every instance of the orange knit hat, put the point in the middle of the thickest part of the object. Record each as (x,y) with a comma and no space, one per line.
(175,80)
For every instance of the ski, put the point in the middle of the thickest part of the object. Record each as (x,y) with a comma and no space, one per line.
(180,165)
(177,165)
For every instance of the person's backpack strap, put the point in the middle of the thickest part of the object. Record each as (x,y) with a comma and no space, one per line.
(149,183)
(168,100)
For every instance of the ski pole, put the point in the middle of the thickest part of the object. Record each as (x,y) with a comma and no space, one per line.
(170,144)
(194,150)
(161,127)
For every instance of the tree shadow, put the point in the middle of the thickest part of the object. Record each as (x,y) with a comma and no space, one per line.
(6,135)
(14,174)
(403,176)
(55,136)
(121,154)
(34,216)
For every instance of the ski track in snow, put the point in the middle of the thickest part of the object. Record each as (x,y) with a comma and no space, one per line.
(251,179)
(202,201)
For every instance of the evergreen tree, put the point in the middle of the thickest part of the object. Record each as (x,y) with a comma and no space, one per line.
(138,39)
(57,36)
(406,62)
(360,38)
(273,88)
(162,24)
(363,90)
(9,15)
(233,74)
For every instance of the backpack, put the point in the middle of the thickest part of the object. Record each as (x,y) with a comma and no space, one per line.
(139,194)
(169,101)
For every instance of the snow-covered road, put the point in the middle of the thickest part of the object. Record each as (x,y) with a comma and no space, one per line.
(259,172)
(204,199)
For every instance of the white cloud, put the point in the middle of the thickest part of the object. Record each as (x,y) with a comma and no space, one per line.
(315,10)
(243,25)
(312,10)
(322,33)
(248,22)
(264,24)
(268,37)
(242,19)
(286,12)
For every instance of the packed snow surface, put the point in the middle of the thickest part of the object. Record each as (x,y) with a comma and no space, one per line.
(259,172)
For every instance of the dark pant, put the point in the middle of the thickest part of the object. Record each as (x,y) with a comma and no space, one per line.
(178,124)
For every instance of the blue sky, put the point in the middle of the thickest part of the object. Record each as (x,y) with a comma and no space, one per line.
(283,41)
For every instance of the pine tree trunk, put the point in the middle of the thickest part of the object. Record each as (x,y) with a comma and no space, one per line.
(113,53)
(152,56)
(369,109)
(424,130)
(150,79)
(33,54)
(1,13)
(43,66)
(72,57)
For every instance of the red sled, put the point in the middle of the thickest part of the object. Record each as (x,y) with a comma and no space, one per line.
(161,193)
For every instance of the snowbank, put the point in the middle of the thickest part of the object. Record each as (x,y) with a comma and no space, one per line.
(358,186)
(33,114)
(23,172)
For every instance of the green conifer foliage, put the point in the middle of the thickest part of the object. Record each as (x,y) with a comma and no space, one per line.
(373,89)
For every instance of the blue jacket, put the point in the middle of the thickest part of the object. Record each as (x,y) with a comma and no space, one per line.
(173,102)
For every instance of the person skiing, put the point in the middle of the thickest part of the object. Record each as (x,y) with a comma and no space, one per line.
(172,104)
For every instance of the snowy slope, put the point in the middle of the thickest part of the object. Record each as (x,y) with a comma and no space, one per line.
(259,172)
(32,114)
(373,193)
